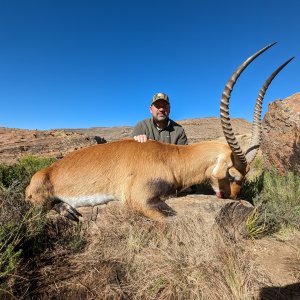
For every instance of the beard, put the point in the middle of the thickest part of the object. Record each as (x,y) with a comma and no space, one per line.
(160,117)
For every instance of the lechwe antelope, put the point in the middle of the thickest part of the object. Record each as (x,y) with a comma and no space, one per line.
(142,174)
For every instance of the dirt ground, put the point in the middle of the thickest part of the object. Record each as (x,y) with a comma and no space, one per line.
(279,259)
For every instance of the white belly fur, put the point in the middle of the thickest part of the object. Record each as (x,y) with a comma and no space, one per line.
(87,200)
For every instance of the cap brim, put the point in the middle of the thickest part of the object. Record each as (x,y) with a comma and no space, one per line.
(160,99)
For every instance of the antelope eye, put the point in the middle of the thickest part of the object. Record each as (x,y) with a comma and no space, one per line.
(230,177)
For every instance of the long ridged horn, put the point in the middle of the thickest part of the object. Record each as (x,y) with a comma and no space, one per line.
(224,108)
(256,125)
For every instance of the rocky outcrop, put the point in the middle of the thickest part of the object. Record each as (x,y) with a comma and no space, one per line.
(281,134)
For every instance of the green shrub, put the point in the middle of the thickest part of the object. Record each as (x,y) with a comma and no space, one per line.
(14,235)
(281,199)
(22,171)
(258,164)
(277,201)
(26,232)
(256,226)
(20,224)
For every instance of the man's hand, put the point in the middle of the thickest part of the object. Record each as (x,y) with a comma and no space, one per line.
(142,138)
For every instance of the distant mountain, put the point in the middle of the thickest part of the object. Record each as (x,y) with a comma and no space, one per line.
(15,143)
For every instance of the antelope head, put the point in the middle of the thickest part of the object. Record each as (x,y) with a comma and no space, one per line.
(240,162)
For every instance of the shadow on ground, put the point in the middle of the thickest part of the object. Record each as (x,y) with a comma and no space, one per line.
(288,292)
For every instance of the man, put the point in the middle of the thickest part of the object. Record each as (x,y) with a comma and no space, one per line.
(159,127)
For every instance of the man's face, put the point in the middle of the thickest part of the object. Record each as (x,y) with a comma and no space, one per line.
(160,110)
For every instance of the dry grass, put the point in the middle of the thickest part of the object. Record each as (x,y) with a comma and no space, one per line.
(129,257)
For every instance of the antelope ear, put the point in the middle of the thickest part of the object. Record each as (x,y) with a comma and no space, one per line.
(220,169)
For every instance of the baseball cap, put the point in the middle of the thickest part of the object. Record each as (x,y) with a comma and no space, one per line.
(159,96)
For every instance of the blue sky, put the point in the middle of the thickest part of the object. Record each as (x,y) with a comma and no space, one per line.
(80,64)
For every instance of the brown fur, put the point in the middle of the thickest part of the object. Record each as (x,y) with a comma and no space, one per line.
(138,174)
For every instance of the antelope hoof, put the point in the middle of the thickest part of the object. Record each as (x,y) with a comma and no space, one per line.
(67,211)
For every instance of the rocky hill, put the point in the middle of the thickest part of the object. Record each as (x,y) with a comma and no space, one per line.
(15,143)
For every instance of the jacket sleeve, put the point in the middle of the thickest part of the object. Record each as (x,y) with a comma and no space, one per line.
(182,139)
(138,129)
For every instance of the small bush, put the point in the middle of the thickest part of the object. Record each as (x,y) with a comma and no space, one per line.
(13,180)
(19,223)
(25,232)
(281,200)
(277,201)
(258,164)
(22,171)
(256,226)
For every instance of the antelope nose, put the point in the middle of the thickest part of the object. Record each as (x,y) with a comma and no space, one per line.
(220,194)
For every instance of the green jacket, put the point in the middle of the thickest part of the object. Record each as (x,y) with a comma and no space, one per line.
(172,134)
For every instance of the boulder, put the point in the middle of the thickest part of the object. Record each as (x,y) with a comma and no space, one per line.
(281,135)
